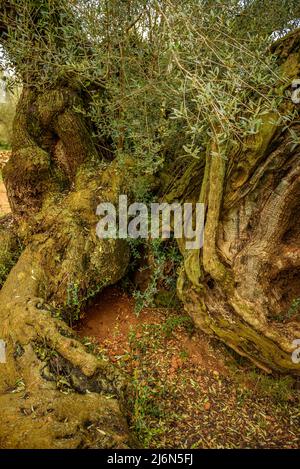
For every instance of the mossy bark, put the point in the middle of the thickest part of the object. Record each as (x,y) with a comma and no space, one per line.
(62,258)
(240,287)
(53,393)
(41,353)
(55,180)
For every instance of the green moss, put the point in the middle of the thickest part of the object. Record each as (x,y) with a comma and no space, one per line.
(280,389)
(166,299)
(9,253)
(183,180)
(4,146)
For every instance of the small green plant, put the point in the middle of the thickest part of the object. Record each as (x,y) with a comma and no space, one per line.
(292,311)
(72,295)
(184,355)
(4,146)
(166,259)
(140,342)
(76,300)
(54,368)
(146,409)
(279,389)
(294,308)
(173,322)
(44,352)
(19,386)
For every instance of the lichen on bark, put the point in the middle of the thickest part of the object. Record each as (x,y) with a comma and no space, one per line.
(250,262)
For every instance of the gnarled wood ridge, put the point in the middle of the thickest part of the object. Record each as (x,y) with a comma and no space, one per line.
(241,286)
(238,288)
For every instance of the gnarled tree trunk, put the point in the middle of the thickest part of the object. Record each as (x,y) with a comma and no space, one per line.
(240,287)
(55,179)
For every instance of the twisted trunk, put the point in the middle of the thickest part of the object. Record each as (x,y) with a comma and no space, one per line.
(242,286)
(53,393)
(54,181)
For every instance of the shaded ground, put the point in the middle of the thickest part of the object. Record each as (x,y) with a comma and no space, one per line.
(4,205)
(190,392)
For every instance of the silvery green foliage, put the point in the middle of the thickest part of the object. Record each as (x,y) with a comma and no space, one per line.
(159,77)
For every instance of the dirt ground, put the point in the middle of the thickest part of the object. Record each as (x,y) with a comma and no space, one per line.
(4,205)
(189,391)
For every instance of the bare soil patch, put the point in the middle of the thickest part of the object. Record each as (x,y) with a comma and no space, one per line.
(4,205)
(189,391)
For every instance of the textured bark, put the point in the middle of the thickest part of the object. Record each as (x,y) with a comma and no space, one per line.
(241,285)
(41,352)
(53,200)
(55,180)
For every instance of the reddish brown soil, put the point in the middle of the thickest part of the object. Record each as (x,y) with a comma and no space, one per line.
(189,392)
(4,205)
(111,318)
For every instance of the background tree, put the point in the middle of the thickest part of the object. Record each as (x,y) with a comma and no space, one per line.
(7,112)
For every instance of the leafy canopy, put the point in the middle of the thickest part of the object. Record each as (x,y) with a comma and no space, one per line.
(160,78)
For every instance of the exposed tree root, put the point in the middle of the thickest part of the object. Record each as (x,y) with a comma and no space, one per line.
(42,353)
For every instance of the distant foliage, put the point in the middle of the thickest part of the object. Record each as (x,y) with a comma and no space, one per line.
(7,112)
